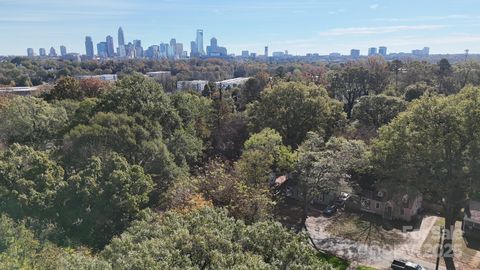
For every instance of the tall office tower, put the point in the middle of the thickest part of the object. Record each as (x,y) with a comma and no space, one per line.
(163,50)
(52,52)
(138,49)
(121,50)
(355,53)
(110,48)
(266,51)
(178,50)
(102,49)
(213,42)
(172,48)
(372,51)
(193,49)
(214,50)
(245,54)
(153,52)
(63,50)
(130,50)
(382,51)
(30,52)
(121,37)
(89,47)
(199,42)
(42,52)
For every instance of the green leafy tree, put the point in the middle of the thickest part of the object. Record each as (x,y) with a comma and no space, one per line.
(376,111)
(195,112)
(269,143)
(20,249)
(137,139)
(417,90)
(293,109)
(226,188)
(101,200)
(209,239)
(445,80)
(29,183)
(30,120)
(395,66)
(434,147)
(66,88)
(140,95)
(323,166)
(350,84)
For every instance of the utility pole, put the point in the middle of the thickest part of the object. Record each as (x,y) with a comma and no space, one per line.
(439,250)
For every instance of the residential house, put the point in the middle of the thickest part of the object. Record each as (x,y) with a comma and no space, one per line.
(391,205)
(471,221)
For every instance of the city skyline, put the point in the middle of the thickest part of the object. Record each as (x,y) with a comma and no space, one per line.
(175,50)
(300,27)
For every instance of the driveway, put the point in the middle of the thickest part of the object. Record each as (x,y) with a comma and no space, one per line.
(374,255)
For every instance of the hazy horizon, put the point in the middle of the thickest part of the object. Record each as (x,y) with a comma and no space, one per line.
(301,27)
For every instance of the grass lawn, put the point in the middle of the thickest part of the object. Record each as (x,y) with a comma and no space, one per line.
(365,268)
(462,252)
(336,262)
(363,228)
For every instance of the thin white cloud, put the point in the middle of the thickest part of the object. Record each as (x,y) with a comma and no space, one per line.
(428,18)
(374,6)
(377,30)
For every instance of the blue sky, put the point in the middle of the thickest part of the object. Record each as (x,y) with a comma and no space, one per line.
(300,26)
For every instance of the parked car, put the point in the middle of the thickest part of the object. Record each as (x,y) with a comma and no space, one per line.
(341,199)
(330,210)
(403,265)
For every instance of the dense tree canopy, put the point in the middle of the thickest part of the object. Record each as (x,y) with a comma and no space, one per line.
(208,239)
(376,111)
(101,200)
(293,109)
(140,95)
(29,183)
(323,166)
(434,147)
(30,120)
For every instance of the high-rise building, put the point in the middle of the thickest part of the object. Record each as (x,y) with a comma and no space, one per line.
(110,48)
(193,49)
(382,51)
(52,52)
(245,54)
(423,52)
(121,37)
(372,51)
(30,52)
(266,51)
(172,48)
(163,50)
(121,51)
(102,49)
(63,50)
(130,50)
(214,50)
(199,42)
(42,52)
(178,50)
(153,52)
(354,53)
(89,47)
(137,45)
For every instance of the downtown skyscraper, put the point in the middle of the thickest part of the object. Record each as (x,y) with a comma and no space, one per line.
(121,50)
(110,48)
(199,41)
(89,47)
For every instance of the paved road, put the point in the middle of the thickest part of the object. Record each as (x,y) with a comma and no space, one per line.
(371,255)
